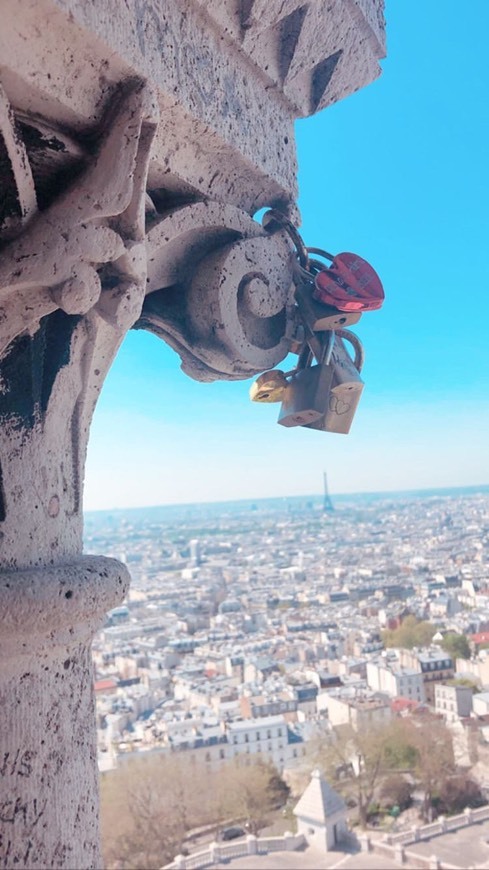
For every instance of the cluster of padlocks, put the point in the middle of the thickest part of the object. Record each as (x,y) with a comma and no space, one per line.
(324,389)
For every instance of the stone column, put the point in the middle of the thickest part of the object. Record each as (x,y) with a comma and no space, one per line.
(48,757)
(215,851)
(399,853)
(61,326)
(251,844)
(365,843)
(289,841)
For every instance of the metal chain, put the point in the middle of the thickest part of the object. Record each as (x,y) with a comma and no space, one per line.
(306,267)
(273,216)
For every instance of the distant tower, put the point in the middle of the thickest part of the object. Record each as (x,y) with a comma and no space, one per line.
(327,503)
(195,557)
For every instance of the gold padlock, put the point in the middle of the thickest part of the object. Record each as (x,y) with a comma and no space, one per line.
(306,396)
(346,388)
(269,387)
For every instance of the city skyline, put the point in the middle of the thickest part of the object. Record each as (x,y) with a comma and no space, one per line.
(314,500)
(396,172)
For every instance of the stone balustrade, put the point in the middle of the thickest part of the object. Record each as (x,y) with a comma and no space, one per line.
(252,845)
(394,845)
(441,826)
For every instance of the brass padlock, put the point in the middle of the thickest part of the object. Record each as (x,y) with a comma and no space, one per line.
(306,395)
(317,316)
(346,388)
(269,387)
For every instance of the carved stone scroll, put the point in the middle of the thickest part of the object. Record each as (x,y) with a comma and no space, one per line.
(220,291)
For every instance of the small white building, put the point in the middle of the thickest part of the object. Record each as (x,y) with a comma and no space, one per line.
(321,814)
(389,676)
(453,702)
(358,710)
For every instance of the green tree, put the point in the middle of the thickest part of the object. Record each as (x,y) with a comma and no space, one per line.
(412,632)
(456,645)
(435,762)
(399,750)
(396,791)
(146,808)
(149,805)
(250,790)
(458,792)
(423,634)
(277,790)
(464,681)
(359,760)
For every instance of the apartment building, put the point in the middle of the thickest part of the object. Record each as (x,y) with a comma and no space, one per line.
(397,681)
(360,711)
(453,702)
(267,736)
(433,663)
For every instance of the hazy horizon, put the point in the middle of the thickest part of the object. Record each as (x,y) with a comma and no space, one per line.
(318,496)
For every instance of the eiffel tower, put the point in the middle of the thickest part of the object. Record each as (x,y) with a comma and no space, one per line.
(327,503)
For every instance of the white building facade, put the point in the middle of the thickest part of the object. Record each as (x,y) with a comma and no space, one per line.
(453,702)
(395,680)
(267,737)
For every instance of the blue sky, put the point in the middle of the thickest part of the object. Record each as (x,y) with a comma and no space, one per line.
(397,173)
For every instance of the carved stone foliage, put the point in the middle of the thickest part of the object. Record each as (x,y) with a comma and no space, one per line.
(227,283)
(87,254)
(83,253)
(72,281)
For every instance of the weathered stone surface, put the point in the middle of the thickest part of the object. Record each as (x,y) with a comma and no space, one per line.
(201,260)
(48,772)
(230,77)
(71,285)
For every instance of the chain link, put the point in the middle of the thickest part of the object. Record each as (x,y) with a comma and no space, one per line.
(273,216)
(306,267)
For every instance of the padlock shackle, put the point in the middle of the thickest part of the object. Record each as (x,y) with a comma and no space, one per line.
(310,268)
(327,350)
(357,347)
(307,354)
(321,253)
(305,358)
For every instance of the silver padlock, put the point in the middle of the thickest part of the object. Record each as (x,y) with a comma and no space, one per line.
(317,316)
(306,394)
(346,388)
